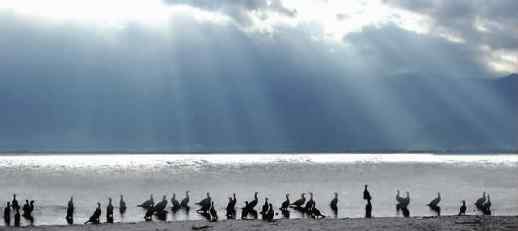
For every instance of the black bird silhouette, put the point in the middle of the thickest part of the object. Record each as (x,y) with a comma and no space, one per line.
(14,203)
(285,204)
(122,206)
(7,214)
(314,212)
(310,204)
(17,217)
(231,207)
(334,204)
(148,203)
(270,213)
(299,202)
(175,203)
(366,193)
(368,209)
(160,206)
(205,204)
(213,212)
(434,204)
(486,207)
(94,219)
(254,202)
(399,200)
(462,209)
(109,211)
(70,211)
(265,207)
(185,201)
(480,202)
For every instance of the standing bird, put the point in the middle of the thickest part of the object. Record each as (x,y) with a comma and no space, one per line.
(204,204)
(213,212)
(14,203)
(270,213)
(480,202)
(334,204)
(404,205)
(298,203)
(285,204)
(254,202)
(148,203)
(175,204)
(70,211)
(185,201)
(368,209)
(27,211)
(314,212)
(265,208)
(109,212)
(95,218)
(462,209)
(17,217)
(486,207)
(122,206)
(366,193)
(161,206)
(434,204)
(310,204)
(7,214)
(231,207)
(399,199)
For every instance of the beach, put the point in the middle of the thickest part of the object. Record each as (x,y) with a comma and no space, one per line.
(447,223)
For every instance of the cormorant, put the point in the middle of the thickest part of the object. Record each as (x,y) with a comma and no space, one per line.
(462,210)
(486,207)
(175,204)
(213,213)
(27,211)
(368,209)
(334,204)
(285,204)
(265,207)
(480,202)
(366,194)
(161,206)
(231,207)
(399,200)
(14,203)
(309,205)
(434,204)
(299,202)
(148,203)
(404,205)
(109,211)
(185,201)
(314,212)
(7,214)
(205,204)
(254,202)
(244,211)
(95,218)
(70,211)
(17,217)
(148,216)
(270,213)
(122,206)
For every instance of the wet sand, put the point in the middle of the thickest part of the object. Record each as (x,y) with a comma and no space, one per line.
(449,223)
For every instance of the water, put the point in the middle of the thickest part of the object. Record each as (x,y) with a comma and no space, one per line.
(52,179)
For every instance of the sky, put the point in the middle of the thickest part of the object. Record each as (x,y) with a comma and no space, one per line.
(179,74)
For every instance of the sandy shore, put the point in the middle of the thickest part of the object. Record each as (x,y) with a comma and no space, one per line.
(452,223)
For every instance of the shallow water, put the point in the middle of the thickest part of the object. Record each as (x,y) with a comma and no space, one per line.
(52,179)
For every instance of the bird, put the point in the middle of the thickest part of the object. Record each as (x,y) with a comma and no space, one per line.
(14,203)
(7,214)
(480,202)
(270,213)
(231,207)
(185,201)
(334,204)
(299,202)
(122,206)
(205,203)
(434,204)
(148,203)
(399,200)
(254,202)
(368,209)
(213,212)
(462,209)
(175,204)
(160,206)
(314,212)
(70,211)
(366,193)
(309,205)
(285,204)
(109,211)
(265,207)
(94,219)
(486,207)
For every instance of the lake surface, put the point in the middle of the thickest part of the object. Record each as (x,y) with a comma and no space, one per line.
(51,179)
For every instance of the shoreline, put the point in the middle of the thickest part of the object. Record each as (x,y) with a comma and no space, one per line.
(448,223)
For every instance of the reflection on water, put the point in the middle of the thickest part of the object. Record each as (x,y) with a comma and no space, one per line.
(52,179)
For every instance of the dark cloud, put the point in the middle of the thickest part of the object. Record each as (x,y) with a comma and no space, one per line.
(240,9)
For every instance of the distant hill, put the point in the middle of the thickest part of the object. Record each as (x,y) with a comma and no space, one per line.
(269,114)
